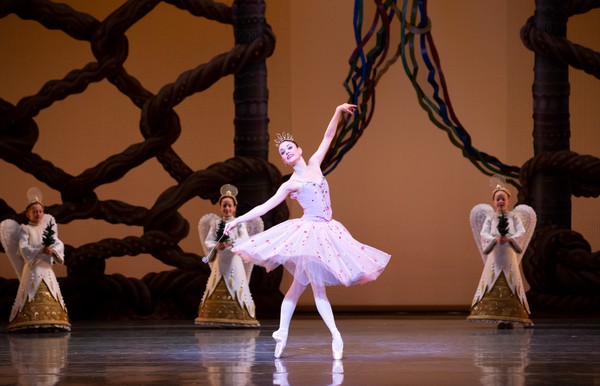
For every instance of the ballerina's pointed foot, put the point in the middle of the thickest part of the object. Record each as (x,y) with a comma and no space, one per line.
(337,347)
(280,341)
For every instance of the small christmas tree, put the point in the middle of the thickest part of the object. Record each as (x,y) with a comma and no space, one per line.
(220,230)
(502,224)
(48,236)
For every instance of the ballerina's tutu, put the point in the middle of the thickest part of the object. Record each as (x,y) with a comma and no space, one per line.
(315,245)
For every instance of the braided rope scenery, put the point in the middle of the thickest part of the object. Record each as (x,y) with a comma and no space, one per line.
(163,226)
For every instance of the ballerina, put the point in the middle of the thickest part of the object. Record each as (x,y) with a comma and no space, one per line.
(315,249)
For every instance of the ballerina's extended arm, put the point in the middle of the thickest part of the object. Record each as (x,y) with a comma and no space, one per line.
(291,186)
(284,190)
(319,155)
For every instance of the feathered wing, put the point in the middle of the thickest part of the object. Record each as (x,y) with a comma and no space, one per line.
(9,236)
(477,217)
(204,227)
(529,220)
(255,226)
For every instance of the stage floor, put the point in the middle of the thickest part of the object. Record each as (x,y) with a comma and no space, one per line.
(396,349)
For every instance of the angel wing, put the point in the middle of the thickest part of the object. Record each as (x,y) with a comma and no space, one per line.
(477,217)
(255,226)
(204,227)
(9,236)
(529,220)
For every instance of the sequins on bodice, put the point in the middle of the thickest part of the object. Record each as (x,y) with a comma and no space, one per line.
(314,199)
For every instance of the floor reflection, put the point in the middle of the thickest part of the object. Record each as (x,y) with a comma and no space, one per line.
(379,351)
(281,375)
(39,358)
(502,355)
(237,371)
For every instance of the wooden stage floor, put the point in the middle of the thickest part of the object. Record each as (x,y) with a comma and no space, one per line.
(391,349)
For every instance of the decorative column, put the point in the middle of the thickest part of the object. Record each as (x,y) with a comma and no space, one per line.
(251,98)
(251,95)
(551,191)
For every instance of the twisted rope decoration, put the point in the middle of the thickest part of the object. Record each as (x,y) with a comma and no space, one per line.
(164,227)
(583,172)
(562,49)
(563,272)
(559,264)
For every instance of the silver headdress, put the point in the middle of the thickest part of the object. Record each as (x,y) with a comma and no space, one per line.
(34,196)
(230,191)
(498,182)
(283,137)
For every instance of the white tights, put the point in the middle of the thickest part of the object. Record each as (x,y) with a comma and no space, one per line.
(323,306)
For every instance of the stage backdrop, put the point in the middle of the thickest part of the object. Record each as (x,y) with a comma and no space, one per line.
(404,188)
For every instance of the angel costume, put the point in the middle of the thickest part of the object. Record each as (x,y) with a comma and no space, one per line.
(500,296)
(315,247)
(227,301)
(39,303)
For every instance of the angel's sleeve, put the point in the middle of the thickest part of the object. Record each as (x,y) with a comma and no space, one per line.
(488,240)
(28,251)
(517,240)
(211,238)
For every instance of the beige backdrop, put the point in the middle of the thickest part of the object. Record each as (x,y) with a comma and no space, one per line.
(404,188)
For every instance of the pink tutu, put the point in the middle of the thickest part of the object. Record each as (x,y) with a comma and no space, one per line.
(314,248)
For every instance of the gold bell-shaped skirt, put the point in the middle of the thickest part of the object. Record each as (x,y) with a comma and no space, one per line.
(43,312)
(220,309)
(500,304)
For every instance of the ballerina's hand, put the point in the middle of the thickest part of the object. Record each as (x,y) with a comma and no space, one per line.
(229,226)
(347,107)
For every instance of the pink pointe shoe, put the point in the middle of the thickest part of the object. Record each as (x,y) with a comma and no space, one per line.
(337,347)
(280,340)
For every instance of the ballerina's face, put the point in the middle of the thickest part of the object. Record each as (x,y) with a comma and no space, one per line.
(228,207)
(35,213)
(290,152)
(501,201)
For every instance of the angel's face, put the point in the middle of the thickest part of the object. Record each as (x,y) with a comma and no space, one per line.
(501,201)
(228,207)
(35,213)
(290,153)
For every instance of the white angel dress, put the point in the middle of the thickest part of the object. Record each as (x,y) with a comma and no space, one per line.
(227,301)
(500,295)
(39,303)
